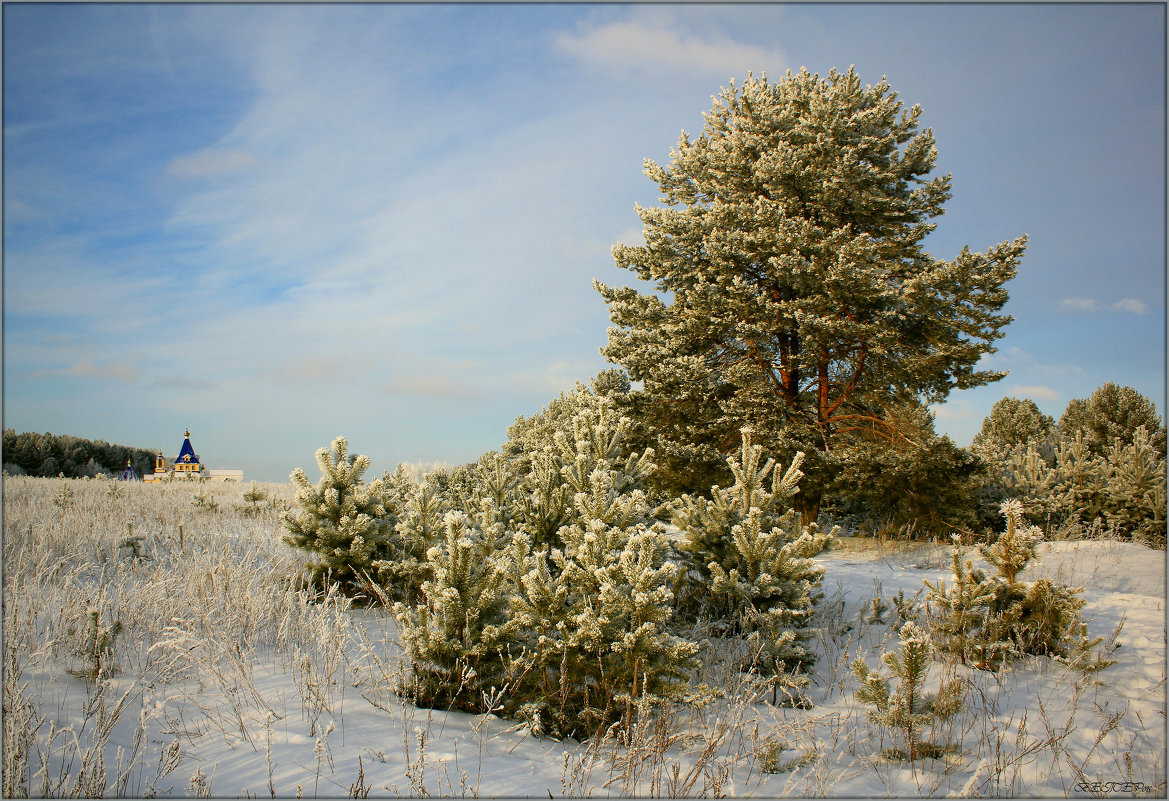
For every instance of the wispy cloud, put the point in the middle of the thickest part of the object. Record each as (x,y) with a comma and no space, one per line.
(431,386)
(1015,359)
(1033,391)
(117,371)
(956,409)
(211,163)
(1124,305)
(635,44)
(1130,305)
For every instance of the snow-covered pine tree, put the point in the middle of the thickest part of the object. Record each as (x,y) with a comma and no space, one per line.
(1024,618)
(620,601)
(419,527)
(749,562)
(1135,487)
(1012,422)
(1080,487)
(908,709)
(957,612)
(789,284)
(542,500)
(342,521)
(775,585)
(707,524)
(543,660)
(456,633)
(1113,412)
(1015,547)
(596,444)
(1041,617)
(592,612)
(1032,478)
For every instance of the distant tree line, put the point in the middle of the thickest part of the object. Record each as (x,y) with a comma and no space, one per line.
(51,455)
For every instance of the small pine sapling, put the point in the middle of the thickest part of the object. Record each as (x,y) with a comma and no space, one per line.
(750,567)
(961,610)
(455,634)
(877,609)
(592,643)
(908,709)
(133,542)
(1015,547)
(341,521)
(772,587)
(1135,486)
(97,648)
(707,523)
(542,500)
(907,608)
(619,605)
(1040,618)
(254,496)
(544,658)
(985,621)
(419,527)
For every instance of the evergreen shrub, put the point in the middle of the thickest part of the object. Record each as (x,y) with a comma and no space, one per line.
(985,621)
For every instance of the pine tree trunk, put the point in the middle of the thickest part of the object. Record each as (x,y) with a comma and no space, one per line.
(808,505)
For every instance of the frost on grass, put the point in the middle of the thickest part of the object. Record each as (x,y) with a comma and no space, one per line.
(229,677)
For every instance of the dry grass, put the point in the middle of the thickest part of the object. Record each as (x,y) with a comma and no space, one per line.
(218,641)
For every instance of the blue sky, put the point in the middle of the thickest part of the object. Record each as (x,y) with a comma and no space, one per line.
(275,224)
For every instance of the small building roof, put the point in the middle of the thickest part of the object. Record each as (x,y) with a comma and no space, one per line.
(187,454)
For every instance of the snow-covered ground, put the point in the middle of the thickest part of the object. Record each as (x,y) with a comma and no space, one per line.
(228,680)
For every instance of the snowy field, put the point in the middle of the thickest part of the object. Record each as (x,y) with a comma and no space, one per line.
(157,642)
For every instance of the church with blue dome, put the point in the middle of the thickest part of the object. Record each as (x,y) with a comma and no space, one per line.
(187,465)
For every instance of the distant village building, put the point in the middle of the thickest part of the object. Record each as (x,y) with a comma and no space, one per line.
(128,474)
(188,465)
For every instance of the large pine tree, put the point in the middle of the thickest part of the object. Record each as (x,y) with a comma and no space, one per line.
(791,287)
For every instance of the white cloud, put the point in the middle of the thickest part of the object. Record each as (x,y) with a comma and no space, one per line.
(1033,391)
(954,410)
(1126,305)
(1078,304)
(632,44)
(118,371)
(634,236)
(433,385)
(211,163)
(1130,305)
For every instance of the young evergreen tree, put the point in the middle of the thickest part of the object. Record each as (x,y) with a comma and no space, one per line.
(748,563)
(800,297)
(1112,412)
(341,521)
(456,633)
(1079,486)
(707,523)
(1011,422)
(621,603)
(419,527)
(959,611)
(543,500)
(592,604)
(1135,487)
(773,585)
(908,709)
(987,621)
